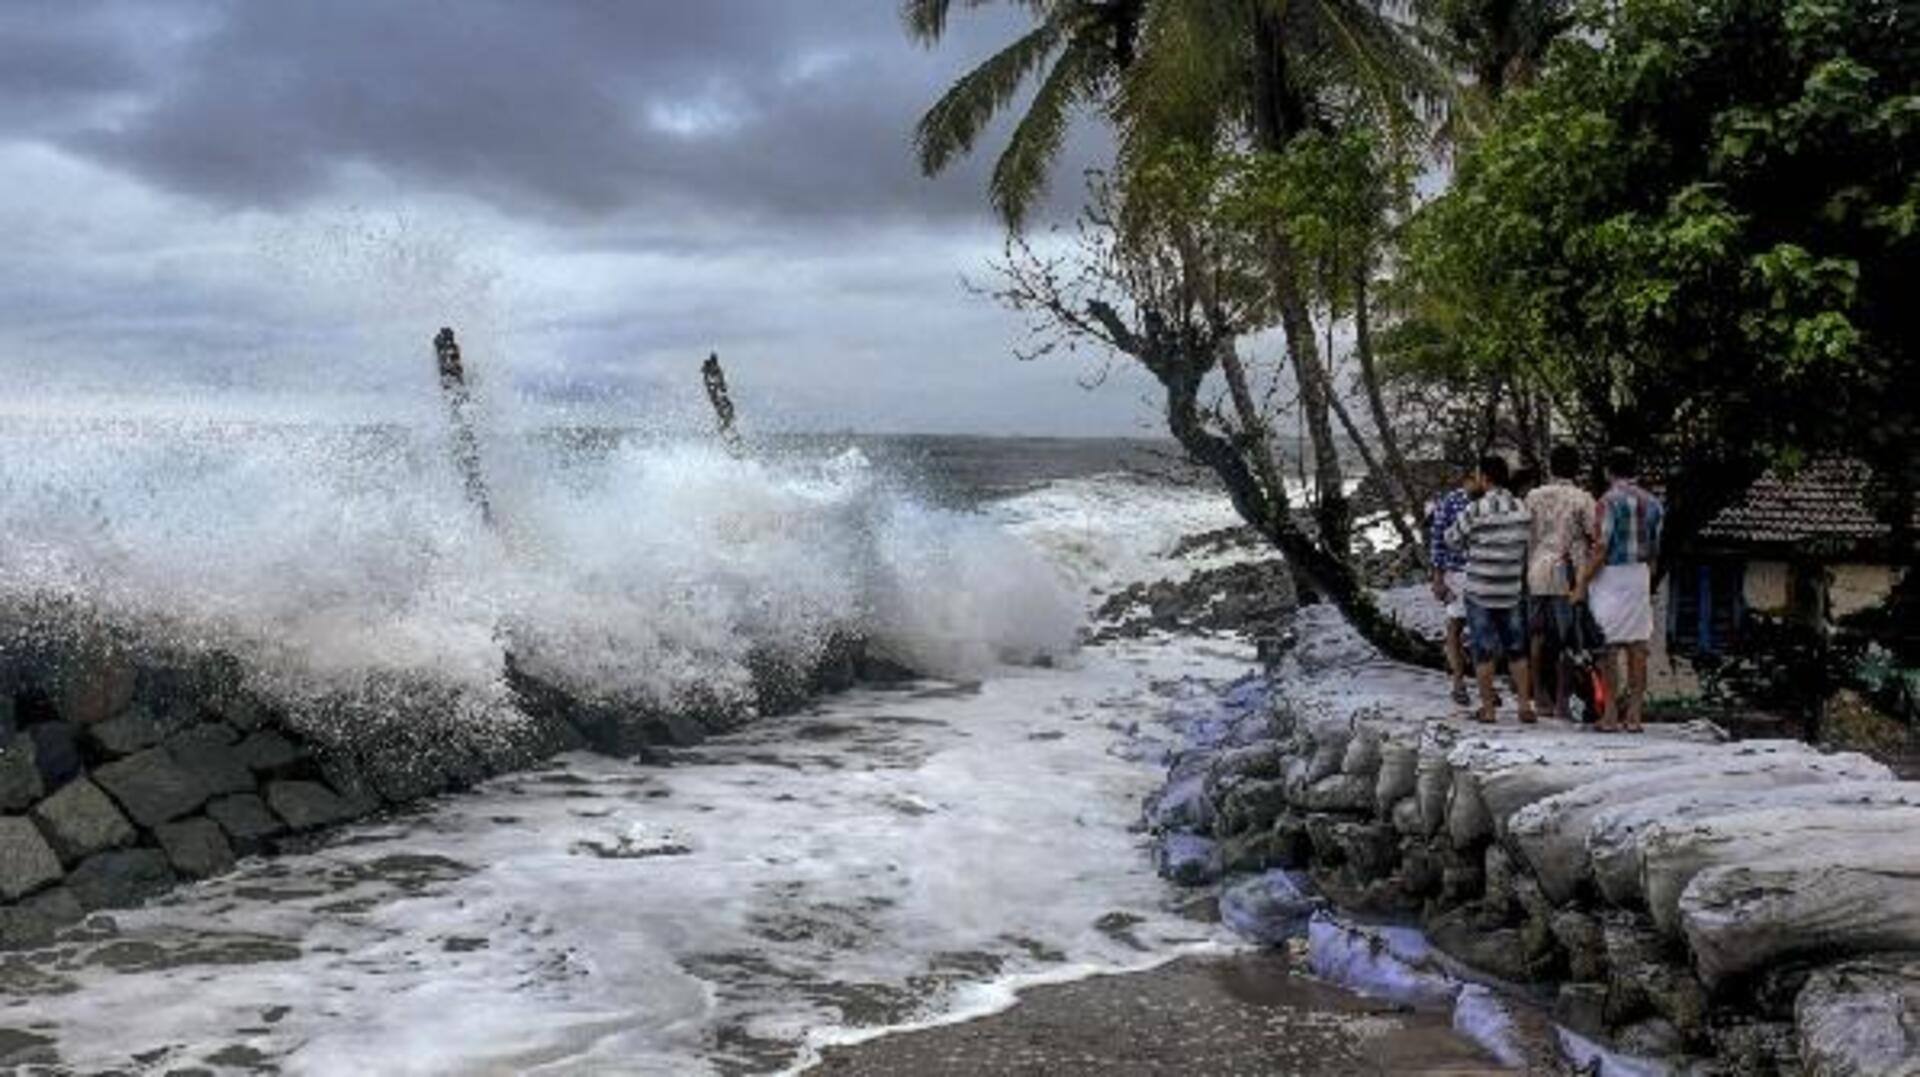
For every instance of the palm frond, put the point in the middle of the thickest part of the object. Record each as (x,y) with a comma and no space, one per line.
(1020,175)
(951,127)
(1379,60)
(926,20)
(1188,85)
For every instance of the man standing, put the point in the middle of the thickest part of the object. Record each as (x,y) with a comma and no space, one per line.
(1560,547)
(1618,584)
(1450,580)
(1493,533)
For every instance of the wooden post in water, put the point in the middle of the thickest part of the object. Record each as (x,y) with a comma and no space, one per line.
(721,400)
(466,444)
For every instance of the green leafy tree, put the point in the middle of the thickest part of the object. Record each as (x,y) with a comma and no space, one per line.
(1700,230)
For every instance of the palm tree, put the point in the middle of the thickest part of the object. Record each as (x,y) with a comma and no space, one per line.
(1208,73)
(1076,50)
(1259,71)
(1217,75)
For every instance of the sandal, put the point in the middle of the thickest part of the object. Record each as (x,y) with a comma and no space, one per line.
(1487,717)
(1527,717)
(1460,697)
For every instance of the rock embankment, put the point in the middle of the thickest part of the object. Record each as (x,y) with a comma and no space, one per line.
(123,773)
(1749,907)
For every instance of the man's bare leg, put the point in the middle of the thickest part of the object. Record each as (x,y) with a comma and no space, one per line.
(1483,673)
(1636,686)
(1457,656)
(1610,676)
(1538,648)
(1522,672)
(1562,686)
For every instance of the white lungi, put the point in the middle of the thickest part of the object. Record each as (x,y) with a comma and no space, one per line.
(1621,597)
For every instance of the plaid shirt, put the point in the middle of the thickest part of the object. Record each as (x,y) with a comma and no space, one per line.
(1628,520)
(1445,511)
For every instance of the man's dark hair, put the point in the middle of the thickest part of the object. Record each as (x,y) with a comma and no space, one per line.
(1621,463)
(1564,462)
(1494,467)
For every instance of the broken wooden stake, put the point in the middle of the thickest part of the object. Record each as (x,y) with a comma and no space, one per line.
(722,401)
(466,444)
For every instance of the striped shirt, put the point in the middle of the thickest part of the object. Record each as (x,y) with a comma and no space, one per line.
(1628,520)
(1446,510)
(1493,534)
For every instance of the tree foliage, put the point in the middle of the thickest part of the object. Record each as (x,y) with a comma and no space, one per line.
(1700,232)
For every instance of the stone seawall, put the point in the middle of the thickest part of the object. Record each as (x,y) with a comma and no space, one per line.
(123,774)
(1731,907)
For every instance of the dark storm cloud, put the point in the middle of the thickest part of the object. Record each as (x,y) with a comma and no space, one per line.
(275,199)
(58,61)
(766,107)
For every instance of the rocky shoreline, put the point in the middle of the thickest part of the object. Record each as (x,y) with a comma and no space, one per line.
(126,770)
(1698,904)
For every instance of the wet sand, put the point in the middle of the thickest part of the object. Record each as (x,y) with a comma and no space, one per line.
(1219,1016)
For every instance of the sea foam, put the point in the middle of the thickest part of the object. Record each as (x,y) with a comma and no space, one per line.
(623,567)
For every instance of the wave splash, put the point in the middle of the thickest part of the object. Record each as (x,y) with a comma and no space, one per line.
(648,571)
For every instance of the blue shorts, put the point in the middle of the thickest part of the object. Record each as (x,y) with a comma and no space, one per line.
(1495,632)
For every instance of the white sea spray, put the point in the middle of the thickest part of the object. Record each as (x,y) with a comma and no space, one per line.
(627,568)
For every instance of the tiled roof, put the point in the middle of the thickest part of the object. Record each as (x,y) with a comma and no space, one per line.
(1823,505)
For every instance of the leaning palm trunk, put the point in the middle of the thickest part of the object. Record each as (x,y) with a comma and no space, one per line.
(1247,468)
(1402,493)
(1395,515)
(1330,509)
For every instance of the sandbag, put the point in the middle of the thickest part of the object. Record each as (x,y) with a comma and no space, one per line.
(1861,1019)
(1843,898)
(1673,853)
(1551,834)
(1614,837)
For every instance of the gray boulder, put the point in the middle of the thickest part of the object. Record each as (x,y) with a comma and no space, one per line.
(153,787)
(20,783)
(207,750)
(128,733)
(267,750)
(245,818)
(56,751)
(80,820)
(27,863)
(33,922)
(307,805)
(120,879)
(196,847)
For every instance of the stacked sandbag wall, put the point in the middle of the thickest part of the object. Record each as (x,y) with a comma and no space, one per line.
(1751,906)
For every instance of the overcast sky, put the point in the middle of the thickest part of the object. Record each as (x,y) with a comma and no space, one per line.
(271,206)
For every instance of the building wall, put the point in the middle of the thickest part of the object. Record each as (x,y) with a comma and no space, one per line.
(1852,588)
(1669,676)
(1769,587)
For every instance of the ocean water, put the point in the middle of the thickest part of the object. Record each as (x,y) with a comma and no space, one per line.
(885,859)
